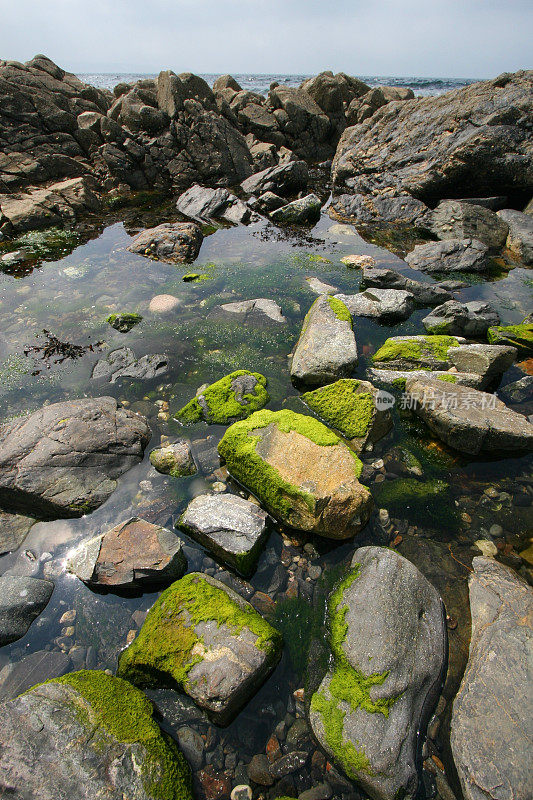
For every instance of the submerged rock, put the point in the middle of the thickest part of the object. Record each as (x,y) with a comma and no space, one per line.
(174,459)
(453,219)
(451,255)
(384,304)
(388,640)
(132,555)
(520,237)
(306,209)
(461,319)
(326,349)
(124,322)
(260,311)
(493,759)
(232,528)
(21,601)
(469,420)
(172,242)
(350,407)
(88,735)
(64,460)
(235,396)
(202,637)
(300,471)
(42,665)
(122,363)
(424,294)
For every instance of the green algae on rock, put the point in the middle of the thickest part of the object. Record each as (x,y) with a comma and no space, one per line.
(388,646)
(89,720)
(520,336)
(123,322)
(416,352)
(233,397)
(198,630)
(418,500)
(350,407)
(174,459)
(300,470)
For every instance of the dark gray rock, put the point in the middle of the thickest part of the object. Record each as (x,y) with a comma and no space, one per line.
(132,555)
(192,746)
(326,349)
(173,242)
(461,319)
(285,179)
(306,209)
(306,127)
(469,420)
(289,763)
(122,363)
(451,255)
(389,305)
(488,360)
(453,219)
(233,529)
(266,202)
(425,294)
(64,460)
(204,204)
(21,601)
(520,391)
(53,745)
(396,632)
(373,209)
(57,204)
(520,237)
(19,676)
(259,770)
(493,759)
(13,530)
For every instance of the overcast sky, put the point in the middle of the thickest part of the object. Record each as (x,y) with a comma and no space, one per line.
(448,38)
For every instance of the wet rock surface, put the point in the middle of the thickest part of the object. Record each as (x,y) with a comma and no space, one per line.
(453,219)
(425,294)
(384,304)
(451,255)
(457,319)
(174,242)
(21,601)
(122,363)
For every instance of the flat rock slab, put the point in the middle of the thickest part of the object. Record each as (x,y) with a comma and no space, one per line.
(202,637)
(64,460)
(425,294)
(64,740)
(300,471)
(396,378)
(326,349)
(132,555)
(386,673)
(461,319)
(122,363)
(492,720)
(173,242)
(453,219)
(319,287)
(13,530)
(53,205)
(487,360)
(388,305)
(231,528)
(21,601)
(451,255)
(258,312)
(469,420)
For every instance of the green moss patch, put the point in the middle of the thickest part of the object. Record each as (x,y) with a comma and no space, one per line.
(238,448)
(220,401)
(166,640)
(339,309)
(520,336)
(123,322)
(415,349)
(125,713)
(422,502)
(343,407)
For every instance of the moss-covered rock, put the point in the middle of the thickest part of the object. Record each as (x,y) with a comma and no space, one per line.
(520,336)
(197,631)
(415,352)
(426,503)
(124,322)
(349,406)
(174,459)
(300,470)
(88,721)
(233,397)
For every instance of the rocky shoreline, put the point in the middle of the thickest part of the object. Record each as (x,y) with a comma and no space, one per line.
(302,593)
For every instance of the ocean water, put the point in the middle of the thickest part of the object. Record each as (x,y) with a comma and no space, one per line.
(261,83)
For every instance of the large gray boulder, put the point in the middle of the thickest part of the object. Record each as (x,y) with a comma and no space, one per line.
(388,305)
(21,601)
(64,460)
(488,360)
(461,319)
(375,209)
(203,638)
(60,203)
(469,420)
(433,147)
(453,219)
(388,642)
(326,349)
(204,204)
(305,209)
(451,255)
(306,127)
(133,555)
(232,528)
(173,242)
(87,735)
(424,294)
(492,720)
(520,237)
(284,179)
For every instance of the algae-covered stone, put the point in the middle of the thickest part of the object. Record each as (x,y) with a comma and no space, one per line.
(232,528)
(350,407)
(124,322)
(203,638)
(172,242)
(174,459)
(416,352)
(301,472)
(305,209)
(233,397)
(326,349)
(87,735)
(520,336)
(461,319)
(388,642)
(418,500)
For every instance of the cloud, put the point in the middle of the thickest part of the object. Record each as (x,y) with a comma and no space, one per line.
(461,38)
